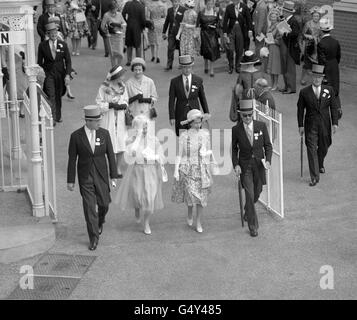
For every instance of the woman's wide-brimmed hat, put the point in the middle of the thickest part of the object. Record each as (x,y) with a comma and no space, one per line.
(186,60)
(318,69)
(316,9)
(325,24)
(51,26)
(289,6)
(246,106)
(115,72)
(190,3)
(195,114)
(249,58)
(274,11)
(92,112)
(138,61)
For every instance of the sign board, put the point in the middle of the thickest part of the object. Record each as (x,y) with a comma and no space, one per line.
(12,37)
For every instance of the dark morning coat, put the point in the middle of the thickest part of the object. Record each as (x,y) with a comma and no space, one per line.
(324,110)
(173,23)
(58,67)
(243,151)
(41,25)
(180,104)
(291,40)
(134,15)
(244,19)
(329,55)
(79,148)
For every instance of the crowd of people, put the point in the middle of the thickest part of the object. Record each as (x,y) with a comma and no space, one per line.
(260,38)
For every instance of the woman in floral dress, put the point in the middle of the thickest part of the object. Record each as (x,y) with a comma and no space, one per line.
(77,26)
(193,178)
(188,34)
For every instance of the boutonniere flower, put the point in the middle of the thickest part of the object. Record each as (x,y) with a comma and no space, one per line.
(58,50)
(325,90)
(240,9)
(179,13)
(98,142)
(194,87)
(324,95)
(60,45)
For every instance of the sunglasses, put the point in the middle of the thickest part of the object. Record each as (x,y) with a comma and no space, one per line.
(247,115)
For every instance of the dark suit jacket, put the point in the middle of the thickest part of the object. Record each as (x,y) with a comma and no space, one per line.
(173,23)
(134,15)
(329,55)
(42,21)
(59,67)
(95,13)
(323,110)
(244,19)
(243,151)
(79,148)
(291,40)
(180,104)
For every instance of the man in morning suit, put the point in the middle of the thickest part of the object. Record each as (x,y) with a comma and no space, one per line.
(250,145)
(55,59)
(172,22)
(318,103)
(43,19)
(92,146)
(237,30)
(290,49)
(186,93)
(329,55)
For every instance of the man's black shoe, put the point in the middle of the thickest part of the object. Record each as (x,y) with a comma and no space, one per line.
(253,233)
(93,245)
(322,170)
(100,228)
(313,182)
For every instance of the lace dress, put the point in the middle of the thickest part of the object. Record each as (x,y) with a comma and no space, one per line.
(189,40)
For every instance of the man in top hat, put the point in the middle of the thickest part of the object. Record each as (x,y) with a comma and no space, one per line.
(55,59)
(186,93)
(317,103)
(172,23)
(329,55)
(237,29)
(289,48)
(92,147)
(251,155)
(43,19)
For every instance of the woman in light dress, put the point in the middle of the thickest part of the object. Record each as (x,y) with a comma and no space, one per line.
(141,188)
(188,34)
(112,98)
(193,176)
(157,14)
(141,91)
(273,65)
(113,25)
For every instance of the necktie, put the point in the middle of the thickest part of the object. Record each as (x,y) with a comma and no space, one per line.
(92,140)
(53,49)
(187,86)
(249,134)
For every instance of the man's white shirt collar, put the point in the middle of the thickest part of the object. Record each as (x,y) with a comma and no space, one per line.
(89,133)
(189,80)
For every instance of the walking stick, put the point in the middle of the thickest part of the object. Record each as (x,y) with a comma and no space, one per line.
(240,201)
(301,156)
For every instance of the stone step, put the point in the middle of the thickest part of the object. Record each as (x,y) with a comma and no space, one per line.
(25,241)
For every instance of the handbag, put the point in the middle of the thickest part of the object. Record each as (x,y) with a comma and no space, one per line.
(128,118)
(80,16)
(152,113)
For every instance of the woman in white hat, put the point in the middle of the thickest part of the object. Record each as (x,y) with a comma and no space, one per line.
(112,98)
(141,188)
(141,89)
(193,178)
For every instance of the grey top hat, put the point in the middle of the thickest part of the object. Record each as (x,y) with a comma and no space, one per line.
(92,112)
(186,60)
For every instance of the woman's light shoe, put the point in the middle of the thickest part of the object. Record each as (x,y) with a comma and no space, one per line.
(199,229)
(190,222)
(147,230)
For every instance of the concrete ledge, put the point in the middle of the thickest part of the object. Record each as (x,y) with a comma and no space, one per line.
(20,242)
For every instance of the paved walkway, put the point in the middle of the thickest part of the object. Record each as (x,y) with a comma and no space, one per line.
(223,262)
